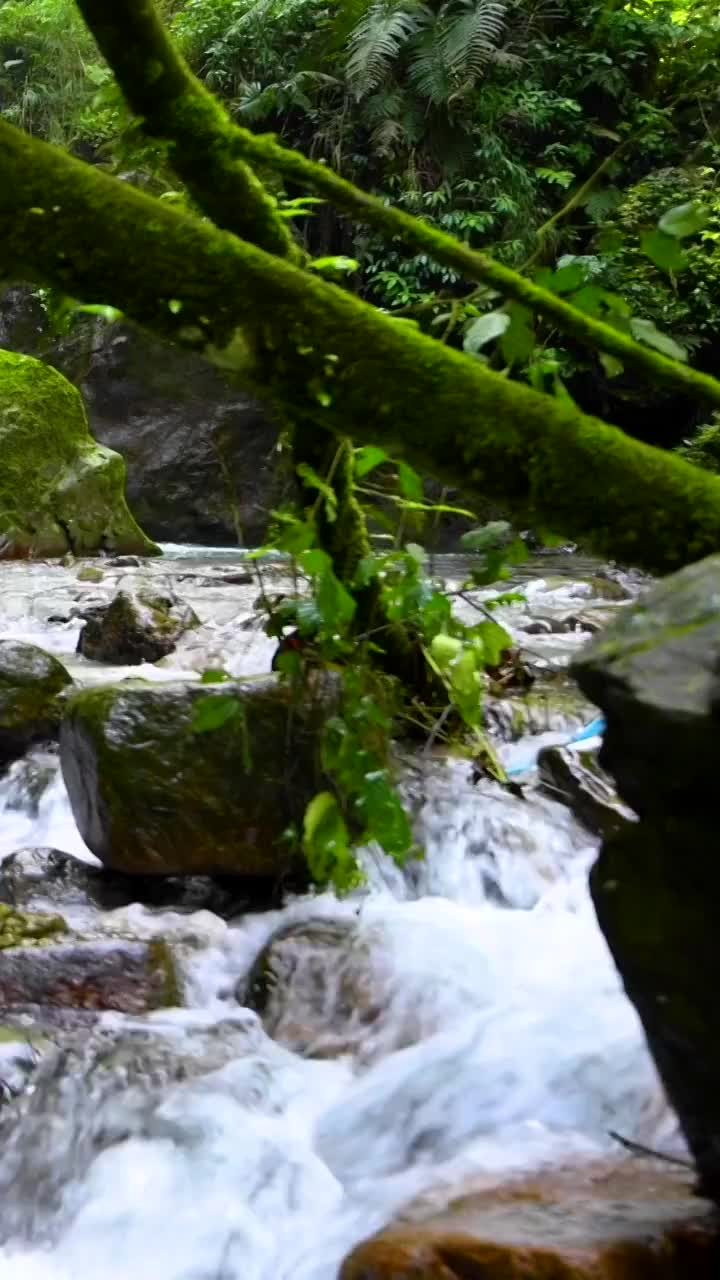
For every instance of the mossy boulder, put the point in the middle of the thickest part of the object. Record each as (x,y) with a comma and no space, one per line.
(139,627)
(30,683)
(156,790)
(60,491)
(656,885)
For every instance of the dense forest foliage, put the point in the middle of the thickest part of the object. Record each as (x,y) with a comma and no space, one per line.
(551,133)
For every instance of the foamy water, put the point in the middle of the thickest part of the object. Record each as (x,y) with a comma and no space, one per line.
(500,1038)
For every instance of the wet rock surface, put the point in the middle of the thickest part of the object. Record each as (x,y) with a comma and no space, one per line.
(134,628)
(576,779)
(59,489)
(129,977)
(315,987)
(52,880)
(30,710)
(656,884)
(193,802)
(624,1223)
(202,464)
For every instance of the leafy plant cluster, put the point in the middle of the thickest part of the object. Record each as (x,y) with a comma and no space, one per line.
(362,803)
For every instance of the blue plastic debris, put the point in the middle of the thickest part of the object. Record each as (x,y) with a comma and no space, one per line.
(592,730)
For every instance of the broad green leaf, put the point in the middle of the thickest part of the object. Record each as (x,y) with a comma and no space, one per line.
(518,341)
(368,568)
(645,331)
(384,817)
(315,561)
(367,458)
(307,617)
(409,482)
(589,299)
(466,687)
(416,552)
(326,843)
(445,649)
(517,552)
(211,713)
(663,250)
(566,279)
(110,314)
(612,366)
(443,507)
(484,330)
(685,219)
(214,675)
(487,537)
(335,604)
(338,263)
(297,537)
(289,663)
(495,641)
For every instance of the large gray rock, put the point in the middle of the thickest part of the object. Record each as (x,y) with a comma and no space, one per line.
(656,884)
(154,794)
(30,683)
(60,490)
(201,456)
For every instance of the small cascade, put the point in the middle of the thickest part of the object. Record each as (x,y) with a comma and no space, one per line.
(466,1022)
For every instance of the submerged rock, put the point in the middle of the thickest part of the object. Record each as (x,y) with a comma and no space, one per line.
(576,779)
(315,987)
(633,1221)
(139,627)
(157,790)
(49,879)
(30,710)
(59,490)
(656,884)
(129,977)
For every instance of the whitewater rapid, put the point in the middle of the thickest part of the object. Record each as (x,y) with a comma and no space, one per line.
(501,1042)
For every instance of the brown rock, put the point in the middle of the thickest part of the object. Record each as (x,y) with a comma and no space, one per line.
(634,1221)
(130,977)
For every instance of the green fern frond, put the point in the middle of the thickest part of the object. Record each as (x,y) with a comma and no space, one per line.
(377,40)
(427,70)
(471,37)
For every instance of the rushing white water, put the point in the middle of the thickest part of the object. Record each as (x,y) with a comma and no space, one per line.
(500,1039)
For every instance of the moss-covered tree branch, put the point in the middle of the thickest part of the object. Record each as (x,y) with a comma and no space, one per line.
(473,265)
(177,109)
(329,357)
(207,147)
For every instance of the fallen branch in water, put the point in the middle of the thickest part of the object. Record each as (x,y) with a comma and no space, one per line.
(638,1149)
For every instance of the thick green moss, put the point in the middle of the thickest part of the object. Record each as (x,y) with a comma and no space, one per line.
(151,795)
(390,384)
(59,489)
(27,929)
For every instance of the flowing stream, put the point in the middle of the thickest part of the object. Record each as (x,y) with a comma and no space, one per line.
(486,1032)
